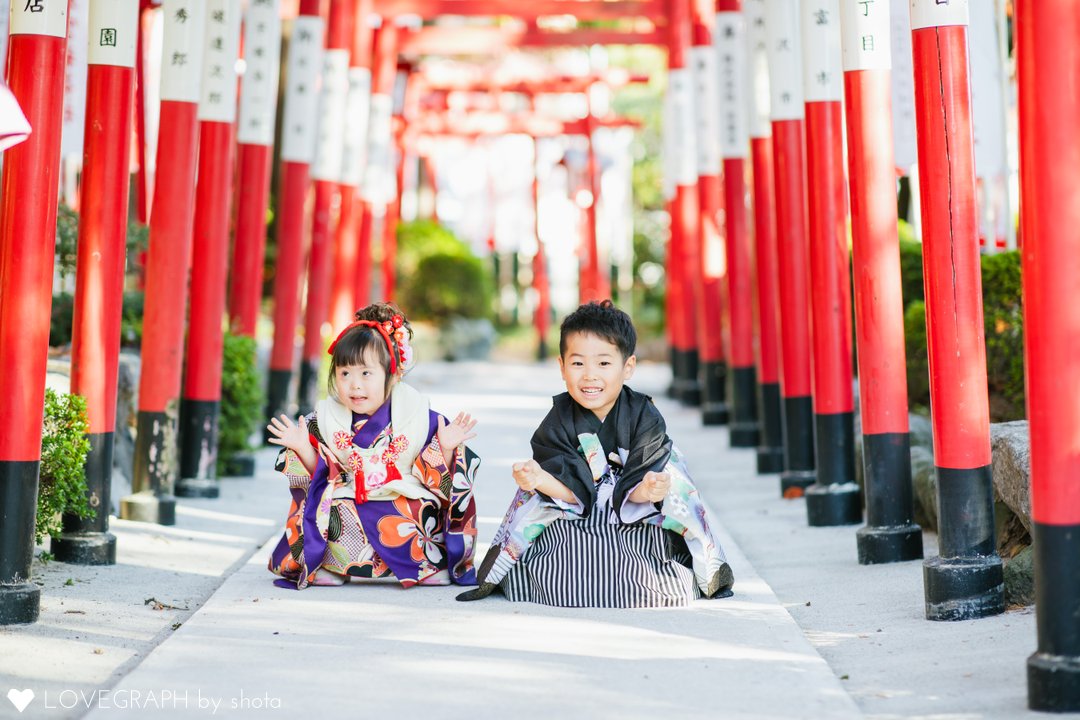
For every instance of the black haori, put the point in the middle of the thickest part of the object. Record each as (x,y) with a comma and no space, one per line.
(633,424)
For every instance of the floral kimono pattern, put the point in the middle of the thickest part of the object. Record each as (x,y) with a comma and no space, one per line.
(381,503)
(682,512)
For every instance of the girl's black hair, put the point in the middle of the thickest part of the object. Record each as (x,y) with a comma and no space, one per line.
(364,341)
(604,320)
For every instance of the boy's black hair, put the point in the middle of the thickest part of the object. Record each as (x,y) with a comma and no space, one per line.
(361,341)
(604,320)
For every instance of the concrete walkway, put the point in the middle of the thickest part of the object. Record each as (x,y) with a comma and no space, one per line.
(809,633)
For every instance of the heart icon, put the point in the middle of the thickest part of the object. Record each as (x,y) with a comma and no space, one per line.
(20,698)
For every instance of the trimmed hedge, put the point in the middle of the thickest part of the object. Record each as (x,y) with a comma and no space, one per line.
(1003,327)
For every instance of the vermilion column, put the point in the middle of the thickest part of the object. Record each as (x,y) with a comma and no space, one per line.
(380,174)
(834,499)
(168,263)
(326,174)
(99,285)
(729,47)
(786,106)
(542,316)
(28,196)
(890,534)
(255,139)
(299,119)
(770,451)
(675,327)
(393,208)
(966,580)
(711,261)
(201,402)
(343,299)
(1048,59)
(686,217)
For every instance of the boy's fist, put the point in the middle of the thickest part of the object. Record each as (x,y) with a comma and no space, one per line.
(656,486)
(528,475)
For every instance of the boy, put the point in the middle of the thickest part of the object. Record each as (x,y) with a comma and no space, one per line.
(604,466)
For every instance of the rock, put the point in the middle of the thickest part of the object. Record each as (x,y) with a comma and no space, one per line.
(127,411)
(924,484)
(1020,578)
(464,339)
(922,431)
(1010,445)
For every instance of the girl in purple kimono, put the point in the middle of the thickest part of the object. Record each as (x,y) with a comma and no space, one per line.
(381,484)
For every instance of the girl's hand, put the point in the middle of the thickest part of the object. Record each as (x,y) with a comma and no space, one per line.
(528,475)
(452,435)
(653,488)
(288,434)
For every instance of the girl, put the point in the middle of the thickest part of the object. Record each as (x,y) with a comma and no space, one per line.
(381,485)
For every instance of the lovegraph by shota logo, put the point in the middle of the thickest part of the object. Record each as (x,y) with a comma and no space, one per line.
(140,700)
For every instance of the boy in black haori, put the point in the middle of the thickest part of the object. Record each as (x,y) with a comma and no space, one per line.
(606,514)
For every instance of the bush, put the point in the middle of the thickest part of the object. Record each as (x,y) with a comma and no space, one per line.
(1004,334)
(241,400)
(67,241)
(911,269)
(131,319)
(448,286)
(64,446)
(62,319)
(1003,318)
(423,238)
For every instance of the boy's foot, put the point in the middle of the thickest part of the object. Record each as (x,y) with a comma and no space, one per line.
(478,593)
(720,583)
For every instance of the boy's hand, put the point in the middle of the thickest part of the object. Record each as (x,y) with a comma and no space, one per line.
(528,475)
(289,434)
(653,488)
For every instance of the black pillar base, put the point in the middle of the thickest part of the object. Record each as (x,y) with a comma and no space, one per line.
(20,603)
(198,448)
(242,465)
(19,598)
(770,454)
(673,361)
(798,424)
(147,507)
(835,504)
(890,534)
(1054,670)
(277,396)
(687,388)
(793,483)
(198,488)
(770,460)
(1053,683)
(714,409)
(963,588)
(90,548)
(878,545)
(307,392)
(744,425)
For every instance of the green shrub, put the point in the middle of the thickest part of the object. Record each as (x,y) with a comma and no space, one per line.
(67,241)
(241,399)
(64,446)
(918,363)
(131,319)
(62,318)
(423,238)
(911,270)
(1003,321)
(447,286)
(1003,318)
